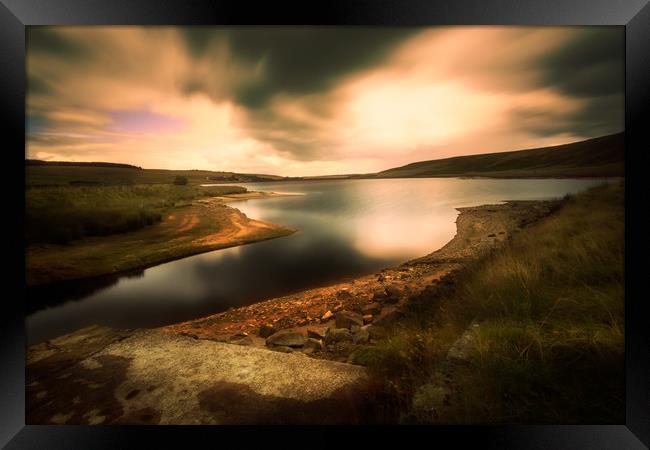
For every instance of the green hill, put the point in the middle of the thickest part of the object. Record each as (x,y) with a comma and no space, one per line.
(598,157)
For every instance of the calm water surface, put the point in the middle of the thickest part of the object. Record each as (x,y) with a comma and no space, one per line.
(346,228)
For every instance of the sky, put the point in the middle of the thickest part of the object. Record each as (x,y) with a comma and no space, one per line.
(298,101)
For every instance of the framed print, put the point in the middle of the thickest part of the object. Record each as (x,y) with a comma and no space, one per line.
(354,214)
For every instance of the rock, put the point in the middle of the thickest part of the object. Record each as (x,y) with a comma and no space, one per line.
(315,335)
(376,332)
(393,293)
(461,350)
(380,278)
(338,335)
(367,318)
(344,294)
(266,331)
(246,340)
(343,348)
(389,318)
(328,315)
(308,350)
(361,337)
(345,319)
(283,349)
(314,344)
(393,289)
(286,338)
(379,295)
(371,308)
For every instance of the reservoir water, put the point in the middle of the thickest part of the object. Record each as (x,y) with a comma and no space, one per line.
(347,228)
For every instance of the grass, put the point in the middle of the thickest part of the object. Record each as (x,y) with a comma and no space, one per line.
(65,213)
(549,347)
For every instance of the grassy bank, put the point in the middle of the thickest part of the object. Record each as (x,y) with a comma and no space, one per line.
(65,213)
(549,345)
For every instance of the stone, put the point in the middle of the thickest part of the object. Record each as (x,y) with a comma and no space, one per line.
(393,293)
(379,294)
(314,344)
(314,335)
(393,289)
(376,332)
(266,331)
(389,318)
(338,335)
(361,337)
(345,319)
(371,308)
(283,349)
(354,328)
(344,294)
(328,315)
(367,319)
(286,338)
(246,340)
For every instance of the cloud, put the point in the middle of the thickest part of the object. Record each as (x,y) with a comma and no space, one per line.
(315,100)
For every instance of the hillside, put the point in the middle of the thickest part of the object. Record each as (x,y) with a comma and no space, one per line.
(38,162)
(598,157)
(45,173)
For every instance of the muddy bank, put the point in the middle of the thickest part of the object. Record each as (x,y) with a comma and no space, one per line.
(479,230)
(205,225)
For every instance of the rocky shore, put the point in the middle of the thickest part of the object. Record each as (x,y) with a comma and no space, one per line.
(336,322)
(288,360)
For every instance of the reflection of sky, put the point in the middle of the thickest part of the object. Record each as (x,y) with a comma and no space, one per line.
(346,228)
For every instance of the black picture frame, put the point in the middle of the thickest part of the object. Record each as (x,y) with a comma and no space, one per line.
(634,15)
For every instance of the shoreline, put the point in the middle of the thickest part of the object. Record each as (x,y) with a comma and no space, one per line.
(480,229)
(207,224)
(134,374)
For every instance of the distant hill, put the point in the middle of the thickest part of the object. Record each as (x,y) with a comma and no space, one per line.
(599,157)
(38,162)
(50,173)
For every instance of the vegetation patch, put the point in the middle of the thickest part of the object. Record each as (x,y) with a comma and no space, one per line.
(540,318)
(65,213)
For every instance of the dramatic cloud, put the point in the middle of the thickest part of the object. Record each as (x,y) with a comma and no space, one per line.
(315,100)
